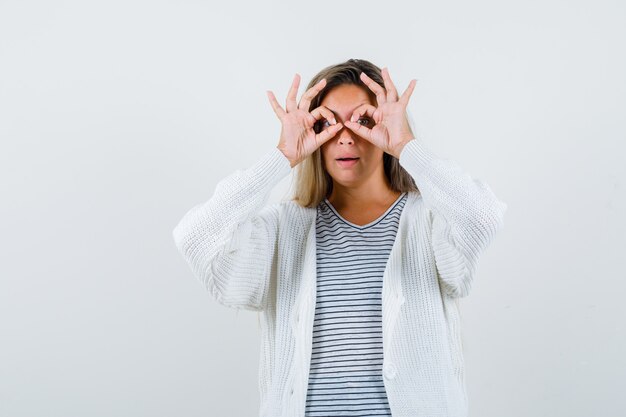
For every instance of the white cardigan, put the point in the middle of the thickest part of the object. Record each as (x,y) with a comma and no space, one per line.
(262,257)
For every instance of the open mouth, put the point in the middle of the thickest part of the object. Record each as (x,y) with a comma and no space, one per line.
(347,162)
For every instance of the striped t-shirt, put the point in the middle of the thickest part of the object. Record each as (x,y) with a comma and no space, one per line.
(346,361)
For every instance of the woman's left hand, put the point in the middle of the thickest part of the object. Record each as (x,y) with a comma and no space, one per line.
(391,130)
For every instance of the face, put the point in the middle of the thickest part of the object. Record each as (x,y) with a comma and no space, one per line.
(342,100)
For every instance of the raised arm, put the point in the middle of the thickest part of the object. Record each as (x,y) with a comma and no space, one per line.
(466,214)
(229,241)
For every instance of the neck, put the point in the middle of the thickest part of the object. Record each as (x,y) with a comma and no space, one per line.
(363,195)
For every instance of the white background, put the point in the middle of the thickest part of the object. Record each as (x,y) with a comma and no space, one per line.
(117,117)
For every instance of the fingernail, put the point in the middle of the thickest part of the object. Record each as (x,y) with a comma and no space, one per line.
(334,121)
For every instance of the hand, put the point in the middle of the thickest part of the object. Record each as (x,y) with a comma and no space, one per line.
(391,131)
(297,137)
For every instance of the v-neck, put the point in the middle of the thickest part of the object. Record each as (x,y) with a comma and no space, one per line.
(370,224)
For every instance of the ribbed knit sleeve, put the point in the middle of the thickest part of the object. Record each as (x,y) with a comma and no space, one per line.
(229,241)
(466,214)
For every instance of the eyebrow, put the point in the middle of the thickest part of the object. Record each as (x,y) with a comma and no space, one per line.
(352,111)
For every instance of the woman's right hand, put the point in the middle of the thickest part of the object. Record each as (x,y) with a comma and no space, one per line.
(297,137)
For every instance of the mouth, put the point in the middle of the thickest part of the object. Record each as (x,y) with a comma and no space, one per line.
(347,162)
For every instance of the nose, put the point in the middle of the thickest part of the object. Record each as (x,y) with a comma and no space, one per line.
(344,137)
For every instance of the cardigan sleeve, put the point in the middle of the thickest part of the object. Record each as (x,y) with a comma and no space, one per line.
(230,240)
(466,214)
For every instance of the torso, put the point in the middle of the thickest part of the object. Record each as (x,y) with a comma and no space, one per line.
(346,367)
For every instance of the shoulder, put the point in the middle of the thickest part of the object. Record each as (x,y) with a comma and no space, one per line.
(289,211)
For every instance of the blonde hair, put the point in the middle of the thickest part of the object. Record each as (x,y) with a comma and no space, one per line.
(312,181)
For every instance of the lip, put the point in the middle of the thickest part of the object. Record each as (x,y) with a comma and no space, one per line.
(347,164)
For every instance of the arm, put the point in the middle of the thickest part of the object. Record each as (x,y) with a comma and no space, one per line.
(229,241)
(466,214)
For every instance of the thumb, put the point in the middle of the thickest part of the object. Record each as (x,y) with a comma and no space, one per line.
(361,130)
(327,134)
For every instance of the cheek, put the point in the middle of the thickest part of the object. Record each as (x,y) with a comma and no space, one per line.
(375,156)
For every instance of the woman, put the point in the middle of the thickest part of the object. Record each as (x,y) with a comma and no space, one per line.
(357,276)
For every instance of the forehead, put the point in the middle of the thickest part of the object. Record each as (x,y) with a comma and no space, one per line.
(345,97)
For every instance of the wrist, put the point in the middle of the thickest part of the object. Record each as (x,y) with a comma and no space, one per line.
(403,143)
(291,163)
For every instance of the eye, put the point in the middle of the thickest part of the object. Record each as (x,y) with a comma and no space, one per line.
(325,123)
(367,121)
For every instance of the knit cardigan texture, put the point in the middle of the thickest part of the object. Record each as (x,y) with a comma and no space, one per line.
(256,256)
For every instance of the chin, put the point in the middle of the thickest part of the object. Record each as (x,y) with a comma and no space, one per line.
(346,179)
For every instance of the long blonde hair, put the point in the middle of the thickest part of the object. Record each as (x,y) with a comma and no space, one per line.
(312,181)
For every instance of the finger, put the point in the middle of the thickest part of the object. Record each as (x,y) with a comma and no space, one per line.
(363,109)
(305,100)
(392,93)
(361,130)
(381,95)
(327,134)
(293,92)
(324,112)
(404,99)
(277,109)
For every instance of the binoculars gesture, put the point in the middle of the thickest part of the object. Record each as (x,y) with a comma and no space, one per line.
(392,130)
(297,136)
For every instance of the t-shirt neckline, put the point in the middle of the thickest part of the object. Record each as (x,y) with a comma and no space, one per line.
(373,222)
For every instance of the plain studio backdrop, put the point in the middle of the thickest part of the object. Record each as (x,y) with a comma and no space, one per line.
(117,117)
